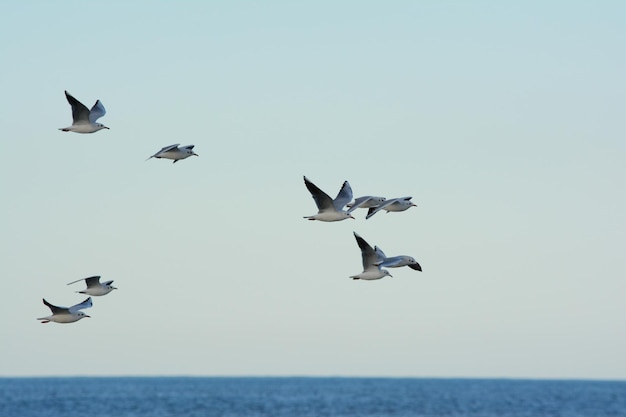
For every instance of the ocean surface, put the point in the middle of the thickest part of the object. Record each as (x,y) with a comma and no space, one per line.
(308,397)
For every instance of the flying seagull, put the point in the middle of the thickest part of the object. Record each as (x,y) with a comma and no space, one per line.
(395,261)
(393,204)
(371,271)
(367,201)
(329,210)
(95,287)
(175,152)
(84,120)
(66,314)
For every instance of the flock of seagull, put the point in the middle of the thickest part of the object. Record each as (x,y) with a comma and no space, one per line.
(332,210)
(74,313)
(374,259)
(85,121)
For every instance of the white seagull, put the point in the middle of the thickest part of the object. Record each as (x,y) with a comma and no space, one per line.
(371,271)
(395,261)
(367,201)
(393,204)
(66,314)
(175,152)
(329,210)
(84,120)
(94,286)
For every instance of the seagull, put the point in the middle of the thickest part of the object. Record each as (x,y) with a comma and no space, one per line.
(395,261)
(371,271)
(330,210)
(393,204)
(175,152)
(84,120)
(95,287)
(365,202)
(66,314)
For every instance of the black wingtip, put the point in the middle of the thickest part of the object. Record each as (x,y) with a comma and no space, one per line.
(361,242)
(416,267)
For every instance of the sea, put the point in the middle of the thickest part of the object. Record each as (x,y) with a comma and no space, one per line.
(308,397)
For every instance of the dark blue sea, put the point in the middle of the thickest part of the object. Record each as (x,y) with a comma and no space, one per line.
(308,397)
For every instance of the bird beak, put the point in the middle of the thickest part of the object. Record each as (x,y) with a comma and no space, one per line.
(114,288)
(107,128)
(193,153)
(351,216)
(88,316)
(413,205)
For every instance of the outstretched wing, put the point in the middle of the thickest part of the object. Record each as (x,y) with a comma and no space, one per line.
(93,281)
(168,148)
(368,256)
(165,149)
(87,280)
(343,197)
(322,200)
(97,111)
(80,113)
(85,304)
(393,262)
(380,255)
(55,309)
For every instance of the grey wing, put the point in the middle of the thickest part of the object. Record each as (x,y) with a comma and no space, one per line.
(80,113)
(107,282)
(343,197)
(380,255)
(93,281)
(190,147)
(368,256)
(165,149)
(322,200)
(84,279)
(55,309)
(85,304)
(168,148)
(358,203)
(393,262)
(97,111)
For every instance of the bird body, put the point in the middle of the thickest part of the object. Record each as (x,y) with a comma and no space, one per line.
(83,119)
(329,210)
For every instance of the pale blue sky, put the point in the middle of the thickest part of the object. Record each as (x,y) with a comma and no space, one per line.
(503,121)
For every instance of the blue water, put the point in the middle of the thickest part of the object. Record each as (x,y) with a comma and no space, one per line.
(308,397)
